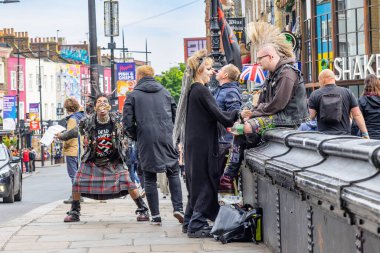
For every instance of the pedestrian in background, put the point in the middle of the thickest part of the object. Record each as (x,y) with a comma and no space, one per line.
(32,159)
(72,147)
(196,126)
(332,105)
(369,104)
(148,117)
(26,159)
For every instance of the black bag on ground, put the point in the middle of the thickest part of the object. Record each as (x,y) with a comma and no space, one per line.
(330,108)
(238,224)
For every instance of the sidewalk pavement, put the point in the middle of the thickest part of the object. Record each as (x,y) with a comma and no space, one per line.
(106,227)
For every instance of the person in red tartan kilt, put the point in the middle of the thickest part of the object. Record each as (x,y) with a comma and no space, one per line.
(103,173)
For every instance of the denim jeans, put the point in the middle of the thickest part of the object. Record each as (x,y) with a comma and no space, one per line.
(27,167)
(132,168)
(72,166)
(150,181)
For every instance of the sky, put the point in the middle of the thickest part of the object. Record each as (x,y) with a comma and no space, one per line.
(164,34)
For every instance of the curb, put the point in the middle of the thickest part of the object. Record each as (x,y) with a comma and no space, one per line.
(10,228)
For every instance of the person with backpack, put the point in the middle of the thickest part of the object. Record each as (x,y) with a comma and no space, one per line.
(72,146)
(32,159)
(332,105)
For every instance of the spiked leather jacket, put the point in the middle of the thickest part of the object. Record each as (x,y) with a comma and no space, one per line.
(87,128)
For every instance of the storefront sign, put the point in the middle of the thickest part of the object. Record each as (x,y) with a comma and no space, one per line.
(34,125)
(125,81)
(357,67)
(238,26)
(192,45)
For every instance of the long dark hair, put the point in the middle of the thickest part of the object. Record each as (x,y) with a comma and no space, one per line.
(371,86)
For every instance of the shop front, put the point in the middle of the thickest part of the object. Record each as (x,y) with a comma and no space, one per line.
(342,35)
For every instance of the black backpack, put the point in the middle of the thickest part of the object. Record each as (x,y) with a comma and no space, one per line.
(32,156)
(331,108)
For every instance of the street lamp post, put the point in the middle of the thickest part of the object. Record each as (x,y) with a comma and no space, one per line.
(94,75)
(40,90)
(215,36)
(18,126)
(215,42)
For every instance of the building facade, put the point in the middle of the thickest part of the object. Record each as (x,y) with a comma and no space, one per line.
(342,35)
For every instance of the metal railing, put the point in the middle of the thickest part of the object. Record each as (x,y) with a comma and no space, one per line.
(319,193)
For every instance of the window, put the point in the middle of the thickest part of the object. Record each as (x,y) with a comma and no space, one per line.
(30,83)
(21,80)
(101,85)
(374,25)
(44,81)
(2,75)
(323,40)
(22,110)
(58,85)
(13,80)
(350,29)
(106,83)
(53,113)
(307,42)
(51,82)
(46,111)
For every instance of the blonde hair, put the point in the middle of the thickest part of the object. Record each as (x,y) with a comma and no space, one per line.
(195,65)
(144,71)
(232,71)
(198,61)
(263,34)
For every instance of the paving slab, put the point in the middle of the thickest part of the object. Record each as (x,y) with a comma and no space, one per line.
(109,227)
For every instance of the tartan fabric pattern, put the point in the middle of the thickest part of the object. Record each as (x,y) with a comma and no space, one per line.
(102,182)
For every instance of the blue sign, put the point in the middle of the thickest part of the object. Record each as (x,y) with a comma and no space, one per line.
(9,112)
(9,107)
(126,71)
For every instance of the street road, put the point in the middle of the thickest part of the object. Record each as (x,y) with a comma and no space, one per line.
(48,185)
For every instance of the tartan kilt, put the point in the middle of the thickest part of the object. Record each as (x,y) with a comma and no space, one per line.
(102,182)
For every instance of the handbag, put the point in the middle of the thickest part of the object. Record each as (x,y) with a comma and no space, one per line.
(235,223)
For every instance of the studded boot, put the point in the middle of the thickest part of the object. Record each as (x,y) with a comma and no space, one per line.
(74,213)
(142,210)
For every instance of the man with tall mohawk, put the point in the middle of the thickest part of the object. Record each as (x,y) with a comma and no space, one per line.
(283,98)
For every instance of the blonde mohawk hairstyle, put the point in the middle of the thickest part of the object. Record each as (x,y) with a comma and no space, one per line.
(264,34)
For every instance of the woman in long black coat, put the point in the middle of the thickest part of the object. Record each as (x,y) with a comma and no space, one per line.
(198,116)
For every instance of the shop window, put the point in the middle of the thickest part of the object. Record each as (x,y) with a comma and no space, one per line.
(323,38)
(307,67)
(374,25)
(350,28)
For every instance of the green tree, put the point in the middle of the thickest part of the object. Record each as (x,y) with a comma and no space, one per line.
(172,80)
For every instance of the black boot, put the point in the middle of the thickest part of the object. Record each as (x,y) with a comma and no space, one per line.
(74,213)
(142,210)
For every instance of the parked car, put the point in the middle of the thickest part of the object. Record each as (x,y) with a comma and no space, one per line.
(10,176)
